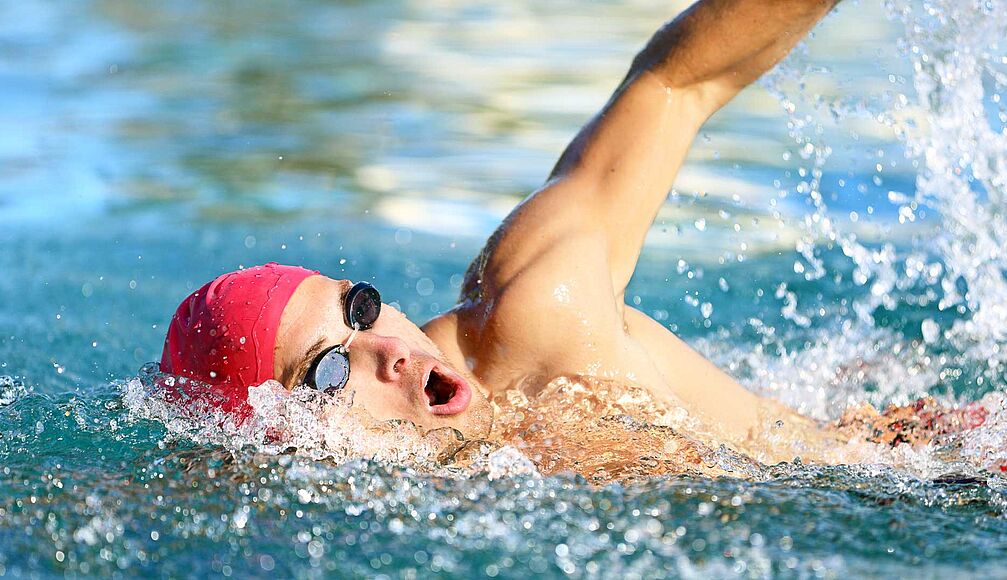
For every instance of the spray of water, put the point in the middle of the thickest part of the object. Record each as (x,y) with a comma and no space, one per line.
(950,125)
(950,122)
(960,76)
(951,129)
(303,421)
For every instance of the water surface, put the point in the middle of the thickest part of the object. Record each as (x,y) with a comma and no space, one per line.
(845,214)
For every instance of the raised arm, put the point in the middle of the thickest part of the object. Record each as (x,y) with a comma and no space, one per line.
(616,173)
(718,47)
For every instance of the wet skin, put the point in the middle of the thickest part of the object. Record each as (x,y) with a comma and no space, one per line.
(396,371)
(545,298)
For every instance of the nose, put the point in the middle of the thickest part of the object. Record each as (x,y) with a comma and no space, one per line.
(392,357)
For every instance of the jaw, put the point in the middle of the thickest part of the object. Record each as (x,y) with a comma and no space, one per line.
(474,424)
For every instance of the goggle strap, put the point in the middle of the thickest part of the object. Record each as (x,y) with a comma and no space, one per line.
(356,329)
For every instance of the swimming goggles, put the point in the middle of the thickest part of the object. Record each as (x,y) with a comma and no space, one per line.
(330,371)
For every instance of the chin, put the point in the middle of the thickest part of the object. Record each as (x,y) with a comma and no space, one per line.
(474,423)
(477,422)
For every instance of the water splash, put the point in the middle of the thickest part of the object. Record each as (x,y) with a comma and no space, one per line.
(607,430)
(950,125)
(11,390)
(960,77)
(304,421)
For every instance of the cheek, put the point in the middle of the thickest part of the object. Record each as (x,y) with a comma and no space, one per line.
(384,402)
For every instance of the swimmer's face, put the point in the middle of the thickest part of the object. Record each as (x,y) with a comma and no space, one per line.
(396,371)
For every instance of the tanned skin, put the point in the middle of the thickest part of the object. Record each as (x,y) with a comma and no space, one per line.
(546,296)
(544,299)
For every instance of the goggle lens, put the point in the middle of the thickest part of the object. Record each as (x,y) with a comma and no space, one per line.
(332,371)
(363,306)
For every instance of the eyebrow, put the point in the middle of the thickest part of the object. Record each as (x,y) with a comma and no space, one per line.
(321,344)
(309,357)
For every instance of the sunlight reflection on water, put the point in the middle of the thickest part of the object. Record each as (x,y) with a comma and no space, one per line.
(147,149)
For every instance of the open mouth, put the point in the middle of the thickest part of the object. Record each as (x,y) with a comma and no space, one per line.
(446,393)
(438,390)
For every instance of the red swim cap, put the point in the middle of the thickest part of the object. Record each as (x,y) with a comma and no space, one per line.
(224,333)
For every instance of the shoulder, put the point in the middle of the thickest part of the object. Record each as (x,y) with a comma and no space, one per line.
(539,297)
(552,316)
(547,235)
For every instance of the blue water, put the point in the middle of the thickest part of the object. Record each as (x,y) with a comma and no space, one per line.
(146,150)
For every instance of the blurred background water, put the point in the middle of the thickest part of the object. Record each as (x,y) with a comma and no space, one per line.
(846,214)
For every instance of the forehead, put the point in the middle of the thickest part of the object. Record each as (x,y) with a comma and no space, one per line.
(314,312)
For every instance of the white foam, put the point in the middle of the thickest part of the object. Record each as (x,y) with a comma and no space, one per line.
(312,424)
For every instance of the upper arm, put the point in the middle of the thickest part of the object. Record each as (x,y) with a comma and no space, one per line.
(614,176)
(619,169)
(607,187)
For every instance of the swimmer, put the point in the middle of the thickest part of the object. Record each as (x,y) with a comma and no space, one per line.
(545,298)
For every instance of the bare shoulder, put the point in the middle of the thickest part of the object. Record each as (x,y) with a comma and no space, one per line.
(533,304)
(542,229)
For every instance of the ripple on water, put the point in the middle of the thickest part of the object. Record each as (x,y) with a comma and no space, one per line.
(262,508)
(108,479)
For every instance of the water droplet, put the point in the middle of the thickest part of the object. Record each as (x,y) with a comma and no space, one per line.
(706,309)
(424,286)
(931,331)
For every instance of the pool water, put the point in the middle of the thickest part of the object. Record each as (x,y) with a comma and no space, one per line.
(835,238)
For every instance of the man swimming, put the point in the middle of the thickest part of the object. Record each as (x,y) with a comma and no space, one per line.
(544,299)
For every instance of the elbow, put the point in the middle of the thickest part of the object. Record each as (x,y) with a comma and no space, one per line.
(702,94)
(695,100)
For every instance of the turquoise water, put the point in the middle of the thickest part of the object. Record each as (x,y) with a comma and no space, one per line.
(846,214)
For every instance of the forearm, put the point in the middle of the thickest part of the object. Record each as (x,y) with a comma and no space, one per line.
(721,46)
(615,175)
